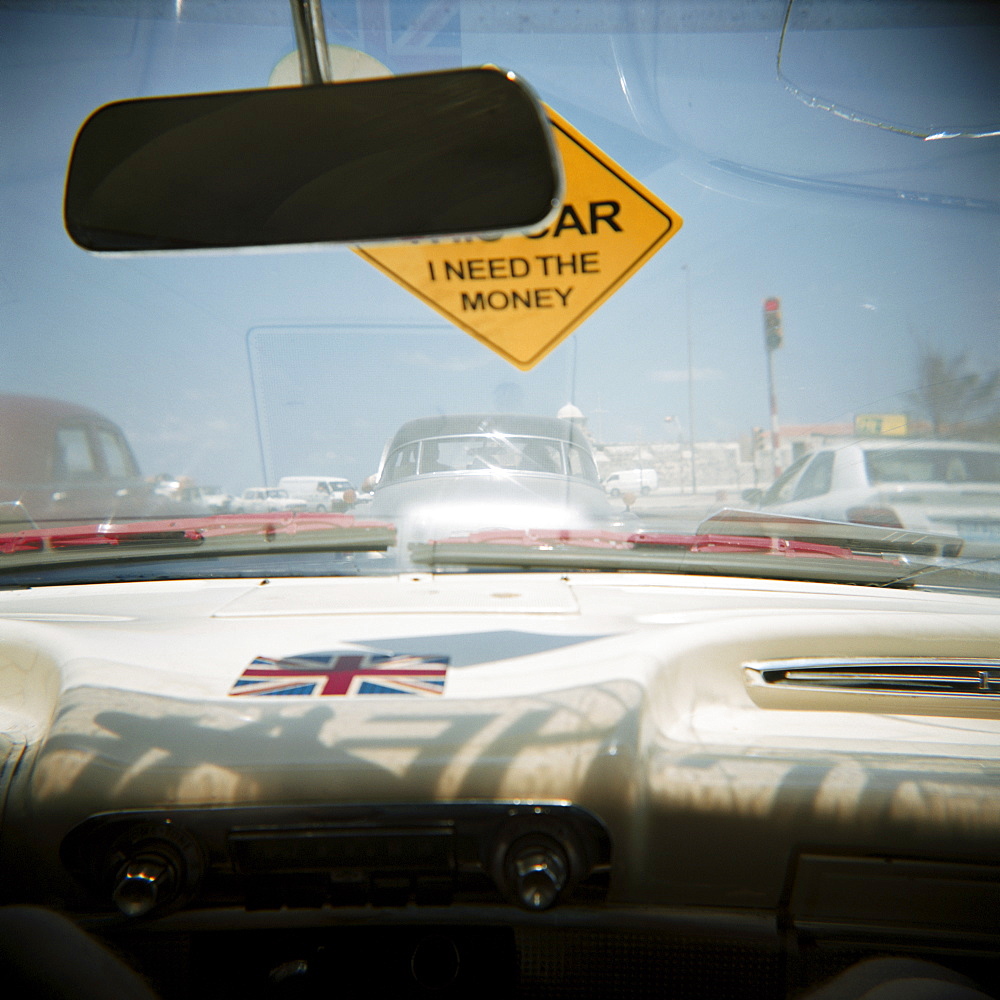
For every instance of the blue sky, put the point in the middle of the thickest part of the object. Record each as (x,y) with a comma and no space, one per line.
(315,357)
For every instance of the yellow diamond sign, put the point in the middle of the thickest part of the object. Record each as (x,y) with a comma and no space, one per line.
(523,295)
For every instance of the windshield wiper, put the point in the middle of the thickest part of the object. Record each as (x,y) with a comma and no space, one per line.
(927,559)
(703,553)
(860,539)
(187,537)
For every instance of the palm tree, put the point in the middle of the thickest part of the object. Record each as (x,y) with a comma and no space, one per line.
(957,401)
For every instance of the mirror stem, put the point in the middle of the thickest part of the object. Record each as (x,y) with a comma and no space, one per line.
(310,36)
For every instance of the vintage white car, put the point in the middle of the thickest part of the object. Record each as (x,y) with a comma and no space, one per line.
(924,485)
(444,475)
(496,750)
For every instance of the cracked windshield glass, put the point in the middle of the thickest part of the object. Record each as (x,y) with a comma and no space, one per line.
(752,280)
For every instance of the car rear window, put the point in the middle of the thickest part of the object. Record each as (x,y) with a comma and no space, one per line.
(486,451)
(491,451)
(932,465)
(117,457)
(817,478)
(74,457)
(581,463)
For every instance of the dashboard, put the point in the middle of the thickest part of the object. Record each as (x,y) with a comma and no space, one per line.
(806,769)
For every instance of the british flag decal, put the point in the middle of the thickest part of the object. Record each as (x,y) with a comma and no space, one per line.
(344,674)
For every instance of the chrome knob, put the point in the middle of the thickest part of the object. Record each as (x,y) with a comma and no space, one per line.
(144,882)
(536,871)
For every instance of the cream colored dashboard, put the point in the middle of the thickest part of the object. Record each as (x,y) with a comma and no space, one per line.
(732,738)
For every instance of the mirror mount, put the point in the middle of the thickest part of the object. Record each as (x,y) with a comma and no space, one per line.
(310,38)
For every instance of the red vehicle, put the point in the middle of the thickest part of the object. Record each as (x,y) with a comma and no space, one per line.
(64,464)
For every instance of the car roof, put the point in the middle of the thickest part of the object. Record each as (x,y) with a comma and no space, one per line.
(27,429)
(487,423)
(36,409)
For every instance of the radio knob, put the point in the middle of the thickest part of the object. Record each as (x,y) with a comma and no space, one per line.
(145,881)
(536,870)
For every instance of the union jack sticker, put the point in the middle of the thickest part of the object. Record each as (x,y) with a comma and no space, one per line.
(343,674)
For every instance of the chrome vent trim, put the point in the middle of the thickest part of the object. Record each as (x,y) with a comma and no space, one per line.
(958,686)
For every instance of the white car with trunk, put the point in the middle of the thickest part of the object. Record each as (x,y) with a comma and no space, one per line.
(950,487)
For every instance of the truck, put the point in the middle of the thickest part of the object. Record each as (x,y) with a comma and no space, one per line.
(642,481)
(321,493)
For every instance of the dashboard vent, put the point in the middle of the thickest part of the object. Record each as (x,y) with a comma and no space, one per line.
(898,685)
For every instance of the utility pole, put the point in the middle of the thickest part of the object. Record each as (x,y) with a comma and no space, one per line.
(690,353)
(773,339)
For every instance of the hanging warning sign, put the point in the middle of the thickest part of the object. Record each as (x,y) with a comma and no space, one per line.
(523,295)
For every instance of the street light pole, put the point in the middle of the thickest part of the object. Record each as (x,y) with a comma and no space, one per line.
(773,339)
(773,404)
(690,361)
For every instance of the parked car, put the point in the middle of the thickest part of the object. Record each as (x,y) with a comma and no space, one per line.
(67,464)
(441,476)
(262,499)
(321,493)
(637,481)
(216,499)
(526,756)
(949,487)
(181,496)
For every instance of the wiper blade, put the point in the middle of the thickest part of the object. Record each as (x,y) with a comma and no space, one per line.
(861,539)
(703,554)
(220,534)
(60,540)
(944,562)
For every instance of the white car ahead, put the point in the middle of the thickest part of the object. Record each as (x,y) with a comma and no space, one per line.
(950,487)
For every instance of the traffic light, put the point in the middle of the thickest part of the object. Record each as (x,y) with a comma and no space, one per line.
(773,335)
(760,441)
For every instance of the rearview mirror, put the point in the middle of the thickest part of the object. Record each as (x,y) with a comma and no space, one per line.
(408,157)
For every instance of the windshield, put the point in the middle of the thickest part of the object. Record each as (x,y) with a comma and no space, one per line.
(776,245)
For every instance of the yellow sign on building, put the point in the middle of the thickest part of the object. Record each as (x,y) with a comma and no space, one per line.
(881,424)
(523,295)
